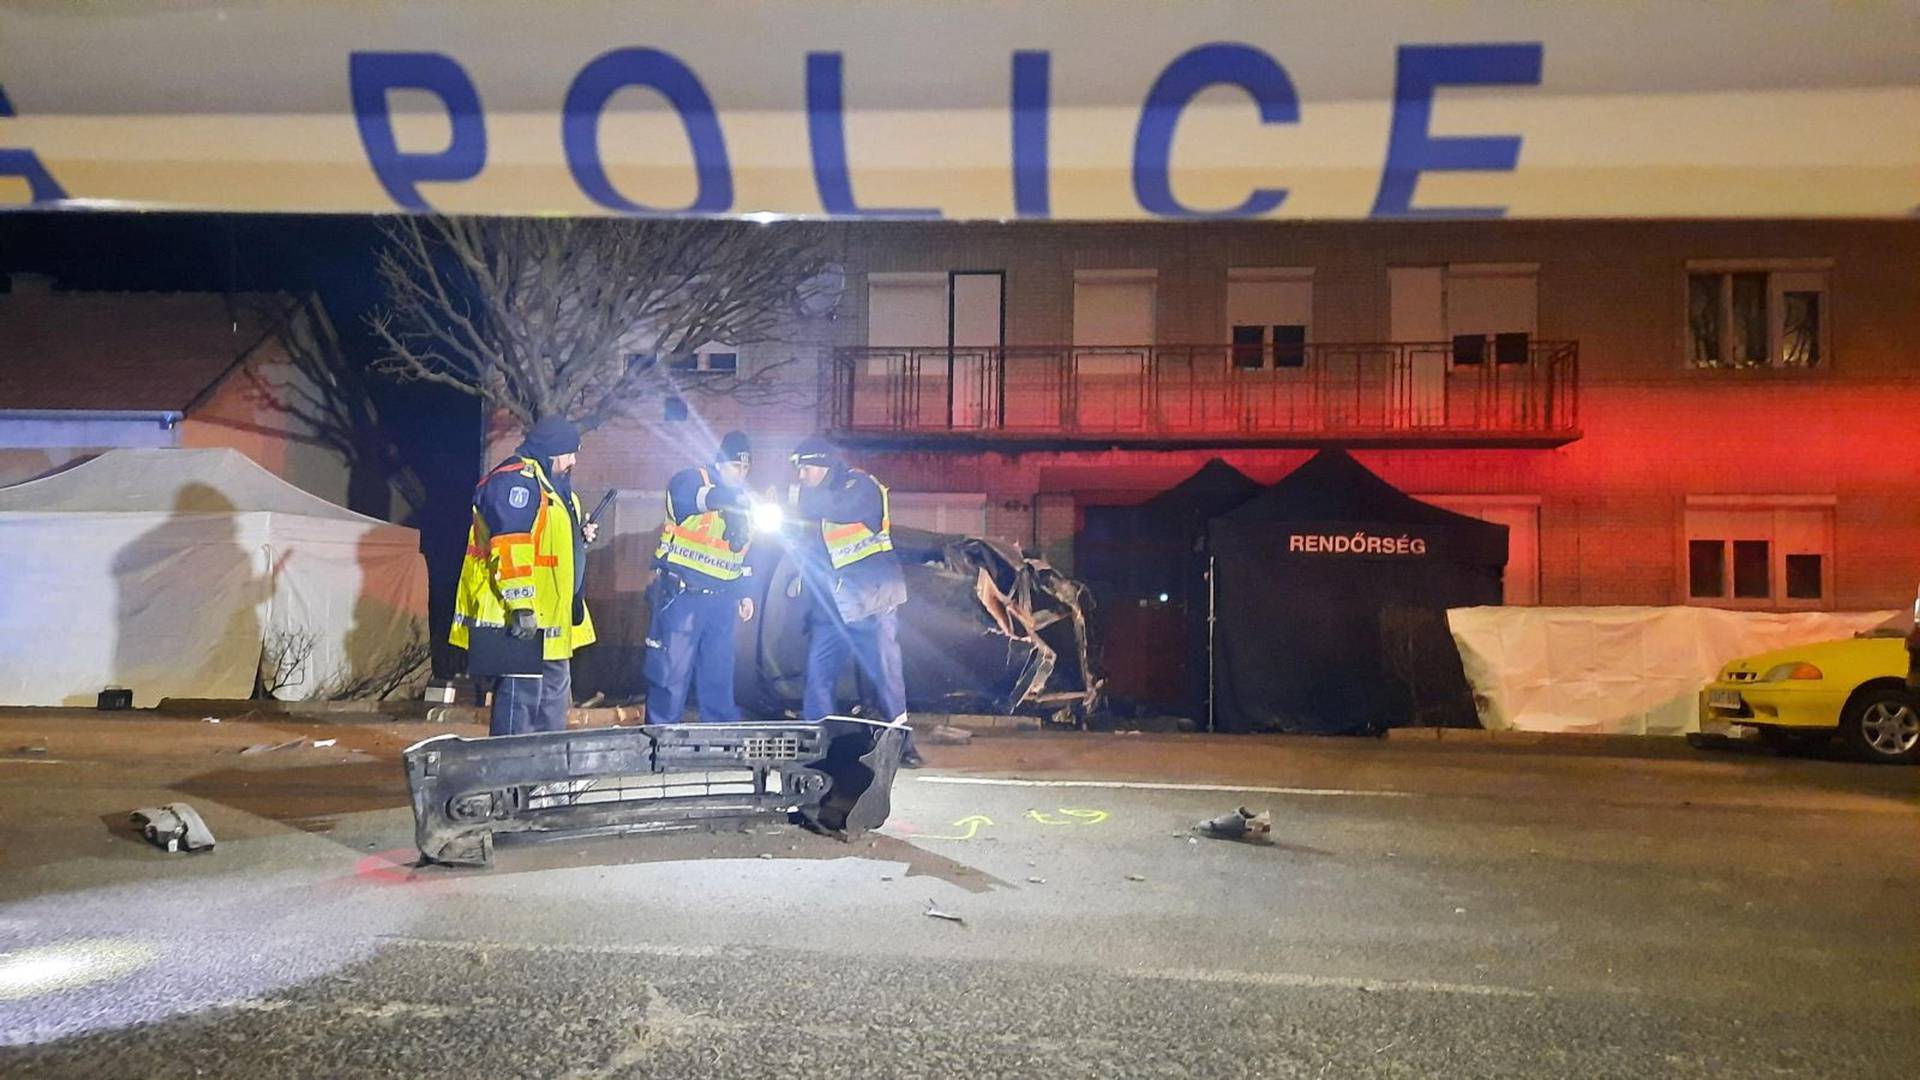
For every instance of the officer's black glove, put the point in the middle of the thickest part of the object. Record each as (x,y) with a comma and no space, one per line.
(728,498)
(521,625)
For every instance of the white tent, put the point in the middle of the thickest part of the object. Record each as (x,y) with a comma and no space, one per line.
(182,573)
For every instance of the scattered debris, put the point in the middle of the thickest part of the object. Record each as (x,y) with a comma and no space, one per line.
(1242,824)
(947,735)
(1136,877)
(934,912)
(173,827)
(1036,881)
(268,748)
(321,744)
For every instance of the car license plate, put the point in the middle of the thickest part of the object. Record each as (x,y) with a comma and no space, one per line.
(1724,699)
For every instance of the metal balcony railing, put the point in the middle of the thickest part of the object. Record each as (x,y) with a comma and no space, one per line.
(1507,390)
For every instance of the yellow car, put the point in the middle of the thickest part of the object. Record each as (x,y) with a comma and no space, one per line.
(1802,697)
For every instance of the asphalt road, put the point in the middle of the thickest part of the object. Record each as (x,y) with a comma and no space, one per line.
(1459,909)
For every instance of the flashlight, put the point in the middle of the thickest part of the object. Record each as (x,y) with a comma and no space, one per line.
(767,516)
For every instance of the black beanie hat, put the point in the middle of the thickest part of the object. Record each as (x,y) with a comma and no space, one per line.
(551,437)
(734,446)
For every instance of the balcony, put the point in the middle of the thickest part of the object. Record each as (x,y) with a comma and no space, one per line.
(1509,391)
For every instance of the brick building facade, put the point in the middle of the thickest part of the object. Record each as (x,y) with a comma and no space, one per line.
(1663,413)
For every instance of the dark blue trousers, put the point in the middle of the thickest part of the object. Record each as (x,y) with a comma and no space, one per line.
(690,643)
(873,643)
(524,703)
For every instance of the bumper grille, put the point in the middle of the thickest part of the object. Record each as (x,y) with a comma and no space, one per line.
(772,748)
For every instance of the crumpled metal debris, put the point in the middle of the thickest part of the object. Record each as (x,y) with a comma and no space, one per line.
(934,912)
(267,748)
(1242,824)
(1033,604)
(173,827)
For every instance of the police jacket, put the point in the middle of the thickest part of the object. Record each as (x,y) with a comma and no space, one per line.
(523,552)
(851,551)
(705,537)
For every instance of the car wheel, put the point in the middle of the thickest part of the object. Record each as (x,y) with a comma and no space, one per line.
(1884,725)
(1789,741)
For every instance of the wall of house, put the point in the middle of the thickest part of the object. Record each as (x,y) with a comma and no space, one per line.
(243,414)
(1657,435)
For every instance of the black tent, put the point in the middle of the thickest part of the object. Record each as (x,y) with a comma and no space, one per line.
(1330,597)
(1131,556)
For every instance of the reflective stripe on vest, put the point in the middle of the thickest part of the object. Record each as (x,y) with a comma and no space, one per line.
(849,542)
(698,541)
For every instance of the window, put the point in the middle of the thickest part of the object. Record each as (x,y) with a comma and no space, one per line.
(956,512)
(1113,313)
(1757,315)
(1280,346)
(1521,515)
(958,319)
(1751,552)
(712,359)
(1269,313)
(1491,310)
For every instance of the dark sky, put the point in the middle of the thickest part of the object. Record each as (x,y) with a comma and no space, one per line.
(437,430)
(333,256)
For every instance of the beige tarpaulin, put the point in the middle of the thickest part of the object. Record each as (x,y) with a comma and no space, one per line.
(182,573)
(1619,670)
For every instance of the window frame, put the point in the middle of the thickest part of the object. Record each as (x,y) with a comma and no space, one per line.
(1778,550)
(1269,348)
(1775,292)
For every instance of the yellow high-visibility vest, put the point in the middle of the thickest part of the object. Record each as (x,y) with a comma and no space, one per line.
(698,541)
(849,542)
(531,570)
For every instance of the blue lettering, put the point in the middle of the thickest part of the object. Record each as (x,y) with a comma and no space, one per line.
(1208,65)
(25,164)
(373,75)
(827,132)
(612,72)
(1411,150)
(1032,79)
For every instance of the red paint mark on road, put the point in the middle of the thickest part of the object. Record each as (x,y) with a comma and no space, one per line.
(388,867)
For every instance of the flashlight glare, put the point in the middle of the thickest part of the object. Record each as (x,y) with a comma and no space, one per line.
(768,517)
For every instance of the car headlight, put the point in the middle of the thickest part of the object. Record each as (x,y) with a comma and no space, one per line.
(1795,671)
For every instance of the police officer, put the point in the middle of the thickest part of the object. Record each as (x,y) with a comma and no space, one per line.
(851,571)
(699,587)
(519,612)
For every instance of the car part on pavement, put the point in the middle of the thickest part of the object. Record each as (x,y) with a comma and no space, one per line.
(836,775)
(174,827)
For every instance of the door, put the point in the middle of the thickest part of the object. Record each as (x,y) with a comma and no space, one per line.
(1113,335)
(1418,313)
(977,325)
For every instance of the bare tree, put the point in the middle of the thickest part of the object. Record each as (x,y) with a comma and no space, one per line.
(399,668)
(586,318)
(333,398)
(284,659)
